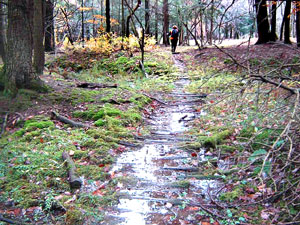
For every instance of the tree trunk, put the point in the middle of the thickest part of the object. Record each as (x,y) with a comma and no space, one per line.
(156,20)
(123,19)
(166,22)
(18,67)
(147,18)
(2,33)
(298,24)
(49,27)
(273,36)
(38,37)
(82,24)
(262,22)
(287,20)
(211,22)
(107,15)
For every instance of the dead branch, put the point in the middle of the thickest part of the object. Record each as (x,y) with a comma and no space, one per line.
(74,180)
(64,119)
(95,85)
(263,79)
(155,99)
(286,129)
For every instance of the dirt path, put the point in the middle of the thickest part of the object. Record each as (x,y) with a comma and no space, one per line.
(156,181)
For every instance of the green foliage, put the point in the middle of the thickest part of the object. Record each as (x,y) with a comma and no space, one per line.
(257,155)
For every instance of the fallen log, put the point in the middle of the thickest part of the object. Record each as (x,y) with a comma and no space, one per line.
(64,119)
(191,169)
(74,180)
(96,85)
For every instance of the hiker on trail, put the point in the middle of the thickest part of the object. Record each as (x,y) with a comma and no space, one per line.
(174,33)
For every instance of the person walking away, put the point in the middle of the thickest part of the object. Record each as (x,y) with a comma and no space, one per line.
(174,34)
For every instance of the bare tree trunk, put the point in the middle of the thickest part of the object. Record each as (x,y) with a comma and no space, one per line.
(273,36)
(287,20)
(166,22)
(49,27)
(156,20)
(82,24)
(123,19)
(147,18)
(262,22)
(18,67)
(211,22)
(107,15)
(2,33)
(298,24)
(38,37)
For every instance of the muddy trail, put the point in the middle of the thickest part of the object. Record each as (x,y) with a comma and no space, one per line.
(157,181)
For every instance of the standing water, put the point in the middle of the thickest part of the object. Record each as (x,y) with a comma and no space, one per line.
(157,190)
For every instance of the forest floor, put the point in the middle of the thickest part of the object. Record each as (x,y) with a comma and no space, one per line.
(200,140)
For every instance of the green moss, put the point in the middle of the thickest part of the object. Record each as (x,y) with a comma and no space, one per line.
(181,184)
(99,115)
(93,172)
(19,133)
(37,123)
(215,139)
(232,195)
(100,123)
(113,122)
(74,217)
(78,154)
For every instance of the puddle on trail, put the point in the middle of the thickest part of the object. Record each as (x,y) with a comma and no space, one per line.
(154,194)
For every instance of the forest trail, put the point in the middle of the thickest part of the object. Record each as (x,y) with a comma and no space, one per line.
(158,185)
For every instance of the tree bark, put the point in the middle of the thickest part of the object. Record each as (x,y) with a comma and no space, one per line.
(74,180)
(38,37)
(156,20)
(82,24)
(123,19)
(287,20)
(298,23)
(18,67)
(49,27)
(273,36)
(107,15)
(262,22)
(147,18)
(211,22)
(166,22)
(2,33)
